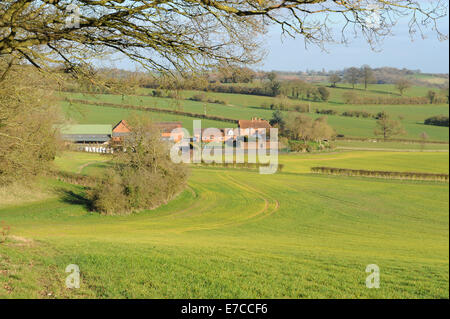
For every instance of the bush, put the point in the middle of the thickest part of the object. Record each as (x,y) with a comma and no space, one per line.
(297,146)
(324,93)
(200,97)
(303,108)
(217,101)
(328,112)
(363,114)
(157,93)
(308,146)
(439,120)
(143,177)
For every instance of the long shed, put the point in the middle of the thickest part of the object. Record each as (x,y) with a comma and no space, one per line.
(86,133)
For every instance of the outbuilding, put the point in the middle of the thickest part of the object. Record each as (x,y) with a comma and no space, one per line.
(86,133)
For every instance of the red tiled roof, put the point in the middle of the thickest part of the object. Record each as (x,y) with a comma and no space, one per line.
(162,126)
(167,127)
(122,126)
(258,123)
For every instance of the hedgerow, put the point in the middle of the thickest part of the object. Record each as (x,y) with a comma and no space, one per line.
(380,174)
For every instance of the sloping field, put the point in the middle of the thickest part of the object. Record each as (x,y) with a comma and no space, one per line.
(242,106)
(91,114)
(235,233)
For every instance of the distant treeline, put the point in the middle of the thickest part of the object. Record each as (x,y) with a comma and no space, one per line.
(350,113)
(240,89)
(294,89)
(439,120)
(381,174)
(153,109)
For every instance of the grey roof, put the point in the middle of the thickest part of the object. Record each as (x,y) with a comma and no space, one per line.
(86,137)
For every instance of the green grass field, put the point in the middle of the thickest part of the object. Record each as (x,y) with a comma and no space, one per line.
(233,233)
(390,146)
(240,106)
(238,234)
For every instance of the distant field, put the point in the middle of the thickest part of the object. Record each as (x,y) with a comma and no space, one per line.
(390,145)
(240,106)
(377,90)
(381,161)
(431,162)
(239,234)
(93,114)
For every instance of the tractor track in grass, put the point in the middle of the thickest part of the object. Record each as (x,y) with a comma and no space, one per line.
(267,211)
(270,207)
(82,167)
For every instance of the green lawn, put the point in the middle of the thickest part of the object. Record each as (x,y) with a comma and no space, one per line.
(239,234)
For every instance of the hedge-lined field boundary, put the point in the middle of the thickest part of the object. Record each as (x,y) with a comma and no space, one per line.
(74,178)
(152,109)
(237,165)
(401,140)
(381,174)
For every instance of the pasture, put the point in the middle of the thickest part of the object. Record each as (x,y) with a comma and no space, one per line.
(241,106)
(235,233)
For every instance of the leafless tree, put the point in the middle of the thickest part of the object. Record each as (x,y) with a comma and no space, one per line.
(165,35)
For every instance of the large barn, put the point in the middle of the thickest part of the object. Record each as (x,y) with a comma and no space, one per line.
(87,133)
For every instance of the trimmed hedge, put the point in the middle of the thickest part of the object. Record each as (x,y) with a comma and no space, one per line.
(363,114)
(439,120)
(73,178)
(381,174)
(237,165)
(353,98)
(364,139)
(326,111)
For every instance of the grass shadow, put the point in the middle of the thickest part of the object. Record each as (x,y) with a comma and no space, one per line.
(73,198)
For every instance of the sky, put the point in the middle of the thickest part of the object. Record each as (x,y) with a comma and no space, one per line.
(286,54)
(429,55)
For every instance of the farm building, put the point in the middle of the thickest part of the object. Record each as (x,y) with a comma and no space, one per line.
(207,135)
(255,126)
(86,133)
(120,130)
(170,131)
